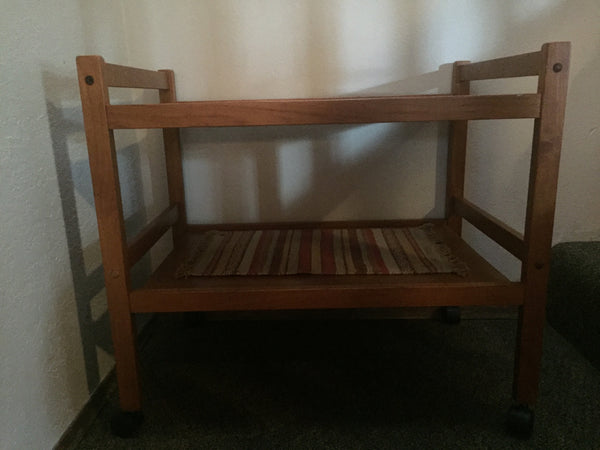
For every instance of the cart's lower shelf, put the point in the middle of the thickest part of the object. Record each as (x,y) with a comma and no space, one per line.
(482,285)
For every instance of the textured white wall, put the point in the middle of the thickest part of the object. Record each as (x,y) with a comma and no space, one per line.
(53,332)
(54,339)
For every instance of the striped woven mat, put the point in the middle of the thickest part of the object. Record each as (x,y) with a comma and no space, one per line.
(348,251)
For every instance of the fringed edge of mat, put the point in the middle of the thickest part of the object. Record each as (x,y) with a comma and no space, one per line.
(458,266)
(185,268)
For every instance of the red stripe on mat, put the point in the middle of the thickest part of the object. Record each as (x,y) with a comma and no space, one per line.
(327,256)
(374,253)
(304,259)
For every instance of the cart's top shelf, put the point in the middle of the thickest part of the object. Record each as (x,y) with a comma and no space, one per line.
(97,76)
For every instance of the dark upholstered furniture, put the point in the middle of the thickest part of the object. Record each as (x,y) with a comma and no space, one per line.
(574,295)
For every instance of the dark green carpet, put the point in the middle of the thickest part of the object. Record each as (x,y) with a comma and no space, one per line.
(350,385)
(574,295)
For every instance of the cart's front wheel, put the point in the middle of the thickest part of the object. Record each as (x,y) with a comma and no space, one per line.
(125,424)
(451,314)
(519,421)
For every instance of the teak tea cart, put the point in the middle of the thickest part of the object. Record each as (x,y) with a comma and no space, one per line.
(483,285)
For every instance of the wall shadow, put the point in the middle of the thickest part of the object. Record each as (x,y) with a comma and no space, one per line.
(77,201)
(339,164)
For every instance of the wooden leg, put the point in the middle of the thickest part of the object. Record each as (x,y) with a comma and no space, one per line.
(528,355)
(528,358)
(111,228)
(126,360)
(539,221)
(128,419)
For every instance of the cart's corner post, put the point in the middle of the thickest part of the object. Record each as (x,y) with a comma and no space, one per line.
(539,221)
(457,149)
(111,229)
(174,164)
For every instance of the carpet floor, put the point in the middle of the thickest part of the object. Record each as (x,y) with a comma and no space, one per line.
(378,384)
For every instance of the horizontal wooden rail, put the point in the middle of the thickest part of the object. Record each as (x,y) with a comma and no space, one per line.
(501,233)
(418,108)
(195,228)
(131,77)
(268,298)
(527,64)
(151,233)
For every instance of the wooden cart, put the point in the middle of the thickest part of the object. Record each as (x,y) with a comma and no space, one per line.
(482,286)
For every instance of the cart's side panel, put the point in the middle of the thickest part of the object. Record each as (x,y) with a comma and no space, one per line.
(457,207)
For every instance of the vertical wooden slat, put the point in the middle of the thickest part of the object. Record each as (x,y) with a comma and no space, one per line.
(173,162)
(457,149)
(109,212)
(547,140)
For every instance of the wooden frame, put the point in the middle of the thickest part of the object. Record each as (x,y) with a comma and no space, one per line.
(484,286)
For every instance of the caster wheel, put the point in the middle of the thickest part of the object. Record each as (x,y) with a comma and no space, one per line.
(519,421)
(451,314)
(125,424)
